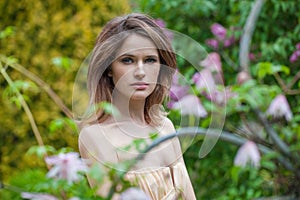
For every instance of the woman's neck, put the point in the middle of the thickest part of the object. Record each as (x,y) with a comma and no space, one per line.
(130,109)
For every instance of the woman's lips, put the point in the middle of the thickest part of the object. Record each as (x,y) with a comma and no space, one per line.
(140,85)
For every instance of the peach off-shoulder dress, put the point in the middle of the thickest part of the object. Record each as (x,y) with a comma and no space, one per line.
(159,182)
(164,183)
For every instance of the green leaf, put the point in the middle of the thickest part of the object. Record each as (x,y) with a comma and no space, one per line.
(153,136)
(235,171)
(62,62)
(61,123)
(56,124)
(41,151)
(268,164)
(96,173)
(109,108)
(263,69)
(11,60)
(65,150)
(8,31)
(266,68)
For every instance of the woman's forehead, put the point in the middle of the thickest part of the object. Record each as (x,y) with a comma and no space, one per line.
(136,45)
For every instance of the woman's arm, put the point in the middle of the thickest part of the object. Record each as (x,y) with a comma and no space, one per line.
(182,180)
(88,152)
(180,174)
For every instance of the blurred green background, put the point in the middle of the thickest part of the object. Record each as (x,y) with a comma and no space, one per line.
(52,38)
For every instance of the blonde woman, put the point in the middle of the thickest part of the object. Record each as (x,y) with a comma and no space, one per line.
(131,67)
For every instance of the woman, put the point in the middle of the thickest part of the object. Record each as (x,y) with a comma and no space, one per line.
(131,67)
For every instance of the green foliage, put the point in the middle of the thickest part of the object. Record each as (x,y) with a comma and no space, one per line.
(267,68)
(50,39)
(216,178)
(272,44)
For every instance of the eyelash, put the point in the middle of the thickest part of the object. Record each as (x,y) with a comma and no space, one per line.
(127,60)
(151,60)
(130,60)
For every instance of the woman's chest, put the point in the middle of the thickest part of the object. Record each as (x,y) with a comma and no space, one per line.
(125,146)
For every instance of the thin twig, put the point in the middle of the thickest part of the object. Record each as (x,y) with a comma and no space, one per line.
(287,88)
(279,143)
(247,35)
(193,131)
(228,60)
(295,79)
(24,105)
(280,82)
(41,84)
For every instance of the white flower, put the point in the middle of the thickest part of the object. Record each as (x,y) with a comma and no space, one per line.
(204,81)
(190,105)
(214,64)
(37,196)
(247,153)
(134,194)
(66,166)
(279,107)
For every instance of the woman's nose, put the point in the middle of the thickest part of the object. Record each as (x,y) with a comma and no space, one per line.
(139,72)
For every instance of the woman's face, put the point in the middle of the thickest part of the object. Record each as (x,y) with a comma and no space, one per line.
(136,68)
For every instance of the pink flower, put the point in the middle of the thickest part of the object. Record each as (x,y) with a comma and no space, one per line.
(280,107)
(247,153)
(37,196)
(213,43)
(220,97)
(294,57)
(190,105)
(204,81)
(66,166)
(228,41)
(160,23)
(213,62)
(219,31)
(178,91)
(243,77)
(134,194)
(298,46)
(252,56)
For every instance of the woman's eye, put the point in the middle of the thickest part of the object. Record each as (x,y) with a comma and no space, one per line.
(127,60)
(150,60)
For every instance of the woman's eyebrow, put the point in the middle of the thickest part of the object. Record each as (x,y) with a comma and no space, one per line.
(152,56)
(126,54)
(131,55)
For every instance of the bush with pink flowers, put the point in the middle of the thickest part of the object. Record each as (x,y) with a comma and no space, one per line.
(246,79)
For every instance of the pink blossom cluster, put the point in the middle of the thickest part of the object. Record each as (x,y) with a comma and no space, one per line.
(162,24)
(42,196)
(296,54)
(134,194)
(66,166)
(37,196)
(222,39)
(188,104)
(280,107)
(248,153)
(209,81)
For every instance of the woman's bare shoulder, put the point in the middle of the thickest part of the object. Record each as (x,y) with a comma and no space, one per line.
(90,131)
(167,126)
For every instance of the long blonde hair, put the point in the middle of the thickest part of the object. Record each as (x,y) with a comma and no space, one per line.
(113,34)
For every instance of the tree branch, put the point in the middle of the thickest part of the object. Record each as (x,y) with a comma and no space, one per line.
(247,35)
(40,83)
(24,105)
(193,131)
(280,144)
